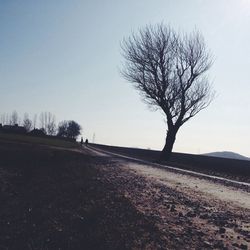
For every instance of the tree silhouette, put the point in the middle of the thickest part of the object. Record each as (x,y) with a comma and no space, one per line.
(51,124)
(74,129)
(169,70)
(14,118)
(27,123)
(48,123)
(62,129)
(69,129)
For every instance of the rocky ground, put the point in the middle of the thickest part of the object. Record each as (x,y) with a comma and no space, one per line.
(186,219)
(62,199)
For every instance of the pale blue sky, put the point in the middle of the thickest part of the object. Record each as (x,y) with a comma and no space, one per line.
(64,57)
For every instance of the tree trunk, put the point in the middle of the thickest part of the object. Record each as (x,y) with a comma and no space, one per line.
(170,139)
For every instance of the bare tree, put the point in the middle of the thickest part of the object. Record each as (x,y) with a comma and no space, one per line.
(42,121)
(62,130)
(14,118)
(7,119)
(169,70)
(27,123)
(34,120)
(3,120)
(50,124)
(46,121)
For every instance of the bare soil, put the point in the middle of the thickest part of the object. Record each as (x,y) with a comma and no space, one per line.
(61,199)
(55,198)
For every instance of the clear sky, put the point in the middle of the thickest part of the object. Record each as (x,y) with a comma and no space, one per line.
(64,57)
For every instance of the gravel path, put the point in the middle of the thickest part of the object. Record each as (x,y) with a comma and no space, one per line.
(195,186)
(190,212)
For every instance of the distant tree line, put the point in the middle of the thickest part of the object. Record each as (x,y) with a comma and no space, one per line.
(45,122)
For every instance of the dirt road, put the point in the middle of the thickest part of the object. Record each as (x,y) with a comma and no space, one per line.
(190,212)
(72,198)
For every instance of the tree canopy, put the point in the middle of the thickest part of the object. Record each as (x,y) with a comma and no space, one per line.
(69,129)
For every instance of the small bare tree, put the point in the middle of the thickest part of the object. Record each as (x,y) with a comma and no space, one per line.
(34,120)
(51,124)
(48,123)
(169,70)
(14,118)
(27,123)
(42,121)
(3,120)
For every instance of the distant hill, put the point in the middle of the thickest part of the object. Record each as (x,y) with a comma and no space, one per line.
(228,154)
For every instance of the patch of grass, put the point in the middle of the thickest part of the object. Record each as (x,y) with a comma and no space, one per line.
(19,138)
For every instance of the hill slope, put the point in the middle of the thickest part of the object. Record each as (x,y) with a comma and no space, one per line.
(229,155)
(57,198)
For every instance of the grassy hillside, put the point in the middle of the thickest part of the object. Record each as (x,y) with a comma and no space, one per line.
(20,138)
